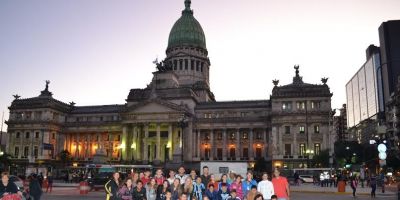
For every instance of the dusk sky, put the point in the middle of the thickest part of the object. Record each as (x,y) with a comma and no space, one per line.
(95,51)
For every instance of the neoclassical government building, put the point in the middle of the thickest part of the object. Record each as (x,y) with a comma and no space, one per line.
(176,118)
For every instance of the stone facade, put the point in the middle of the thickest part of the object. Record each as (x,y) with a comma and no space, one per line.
(176,118)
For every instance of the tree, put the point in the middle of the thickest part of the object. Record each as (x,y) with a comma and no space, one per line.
(5,161)
(260,165)
(322,159)
(65,157)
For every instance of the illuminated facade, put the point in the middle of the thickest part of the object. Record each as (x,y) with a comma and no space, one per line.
(174,119)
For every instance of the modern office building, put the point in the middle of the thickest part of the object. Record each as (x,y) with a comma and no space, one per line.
(389,38)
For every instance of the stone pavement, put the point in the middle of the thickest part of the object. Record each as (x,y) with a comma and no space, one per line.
(310,188)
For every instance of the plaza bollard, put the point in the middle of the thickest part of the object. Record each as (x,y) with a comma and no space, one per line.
(341,186)
(84,187)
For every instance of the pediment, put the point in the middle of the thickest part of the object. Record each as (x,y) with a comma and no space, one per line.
(156,106)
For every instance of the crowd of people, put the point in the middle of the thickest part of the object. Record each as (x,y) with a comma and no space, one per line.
(192,186)
(10,191)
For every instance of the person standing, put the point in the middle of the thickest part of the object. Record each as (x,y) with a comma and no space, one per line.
(181,175)
(139,193)
(35,190)
(40,179)
(252,193)
(224,179)
(199,188)
(176,189)
(193,175)
(159,177)
(112,187)
(211,193)
(151,189)
(162,190)
(171,177)
(7,187)
(248,183)
(265,187)
(126,192)
(237,186)
(281,186)
(223,193)
(353,185)
(49,182)
(372,183)
(205,177)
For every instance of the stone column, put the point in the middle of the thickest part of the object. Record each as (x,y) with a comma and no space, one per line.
(145,146)
(265,147)
(158,147)
(224,146)
(78,142)
(237,144)
(124,142)
(281,147)
(170,143)
(198,145)
(251,152)
(89,150)
(133,145)
(295,147)
(212,144)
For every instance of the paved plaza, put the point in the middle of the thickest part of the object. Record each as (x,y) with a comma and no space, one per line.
(305,192)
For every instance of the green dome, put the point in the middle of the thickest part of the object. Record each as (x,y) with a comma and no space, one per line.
(187,31)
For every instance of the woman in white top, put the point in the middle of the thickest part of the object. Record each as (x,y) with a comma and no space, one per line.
(265,187)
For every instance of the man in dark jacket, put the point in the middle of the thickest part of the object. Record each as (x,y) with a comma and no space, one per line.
(34,188)
(139,193)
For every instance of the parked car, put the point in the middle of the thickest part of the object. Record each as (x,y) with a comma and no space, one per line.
(306,178)
(18,181)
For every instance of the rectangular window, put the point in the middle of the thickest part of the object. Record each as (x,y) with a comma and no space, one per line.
(301,105)
(258,152)
(36,134)
(232,136)
(26,151)
(317,148)
(192,64)
(16,152)
(245,136)
(288,149)
(219,136)
(18,135)
(180,64)
(35,151)
(286,106)
(258,136)
(316,129)
(207,136)
(201,67)
(302,149)
(175,65)
(287,129)
(315,104)
(219,153)
(27,135)
(186,64)
(245,152)
(53,136)
(301,129)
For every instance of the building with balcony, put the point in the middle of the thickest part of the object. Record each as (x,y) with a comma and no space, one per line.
(175,119)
